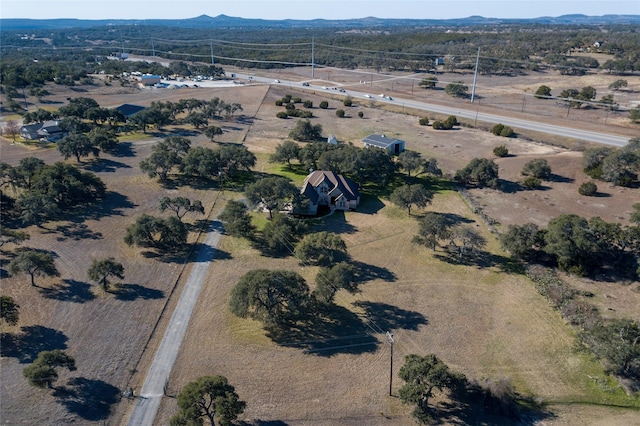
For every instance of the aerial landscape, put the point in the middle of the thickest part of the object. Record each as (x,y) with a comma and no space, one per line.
(345,213)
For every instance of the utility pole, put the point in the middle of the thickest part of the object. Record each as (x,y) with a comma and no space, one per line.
(391,341)
(475,76)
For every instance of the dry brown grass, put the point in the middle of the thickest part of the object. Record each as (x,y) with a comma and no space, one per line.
(479,320)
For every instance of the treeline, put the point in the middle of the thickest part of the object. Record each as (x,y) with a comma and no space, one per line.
(505,49)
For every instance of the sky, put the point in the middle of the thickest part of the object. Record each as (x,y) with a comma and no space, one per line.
(311,9)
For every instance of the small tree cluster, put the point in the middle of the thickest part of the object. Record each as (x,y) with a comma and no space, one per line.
(500,151)
(537,168)
(305,131)
(423,121)
(543,92)
(447,124)
(502,130)
(480,172)
(35,263)
(408,196)
(618,166)
(236,219)
(588,189)
(210,397)
(156,232)
(42,373)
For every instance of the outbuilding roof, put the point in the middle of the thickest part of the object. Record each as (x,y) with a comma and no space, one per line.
(381,141)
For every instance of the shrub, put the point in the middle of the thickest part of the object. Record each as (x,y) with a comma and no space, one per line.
(500,151)
(282,114)
(307,104)
(360,114)
(506,132)
(424,121)
(446,124)
(451,121)
(340,113)
(543,91)
(347,102)
(497,129)
(286,99)
(537,168)
(290,106)
(299,113)
(278,102)
(296,100)
(588,188)
(532,182)
(324,104)
(438,125)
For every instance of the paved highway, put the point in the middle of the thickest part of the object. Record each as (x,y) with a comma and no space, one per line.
(461,112)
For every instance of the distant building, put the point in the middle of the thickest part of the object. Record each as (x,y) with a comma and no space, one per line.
(46,131)
(394,146)
(149,79)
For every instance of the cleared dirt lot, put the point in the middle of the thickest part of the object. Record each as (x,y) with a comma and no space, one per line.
(486,324)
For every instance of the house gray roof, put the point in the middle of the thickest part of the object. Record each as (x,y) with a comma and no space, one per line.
(381,141)
(129,110)
(336,183)
(44,129)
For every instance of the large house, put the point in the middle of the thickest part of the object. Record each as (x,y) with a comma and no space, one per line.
(46,131)
(394,146)
(324,188)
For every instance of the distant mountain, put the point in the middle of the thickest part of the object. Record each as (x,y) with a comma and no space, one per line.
(223,21)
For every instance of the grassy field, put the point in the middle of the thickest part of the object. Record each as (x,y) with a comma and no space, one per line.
(480,318)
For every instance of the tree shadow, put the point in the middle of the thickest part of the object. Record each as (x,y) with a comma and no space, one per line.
(113,204)
(560,179)
(195,182)
(130,292)
(258,243)
(258,422)
(481,259)
(337,223)
(366,272)
(69,291)
(30,342)
(106,166)
(87,398)
(601,195)
(388,317)
(456,219)
(510,187)
(123,149)
(77,231)
(330,330)
(475,407)
(206,253)
(370,204)
(166,255)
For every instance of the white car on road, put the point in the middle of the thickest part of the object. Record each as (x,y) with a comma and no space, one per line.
(367,96)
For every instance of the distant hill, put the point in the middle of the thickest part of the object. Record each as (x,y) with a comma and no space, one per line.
(223,21)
